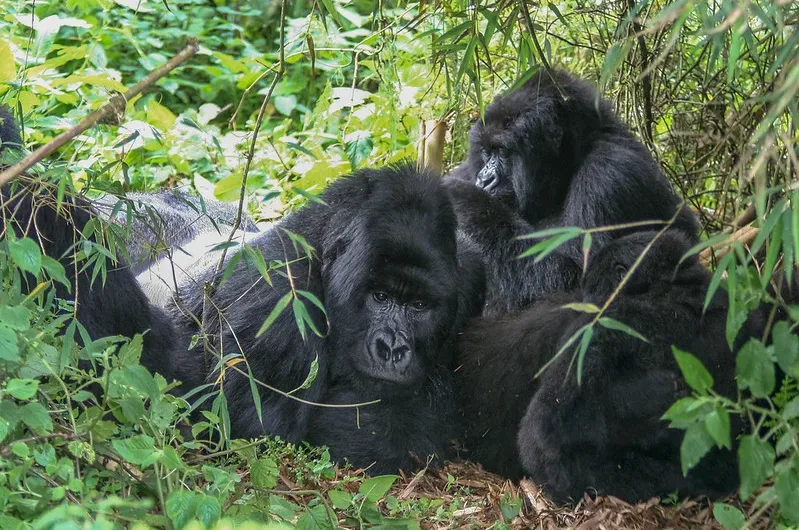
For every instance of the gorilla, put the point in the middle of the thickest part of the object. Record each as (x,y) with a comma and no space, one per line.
(113,306)
(167,219)
(385,267)
(547,155)
(605,433)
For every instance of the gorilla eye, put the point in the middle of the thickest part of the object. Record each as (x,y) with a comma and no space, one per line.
(419,305)
(380,296)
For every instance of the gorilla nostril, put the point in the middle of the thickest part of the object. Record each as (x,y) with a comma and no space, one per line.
(399,353)
(382,349)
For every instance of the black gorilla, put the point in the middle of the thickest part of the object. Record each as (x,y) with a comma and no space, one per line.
(546,155)
(604,434)
(385,267)
(116,306)
(167,219)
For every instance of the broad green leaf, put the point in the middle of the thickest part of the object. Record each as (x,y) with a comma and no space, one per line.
(316,518)
(340,499)
(208,510)
(695,445)
(55,270)
(138,449)
(755,463)
(264,473)
(786,347)
(754,369)
(26,254)
(787,485)
(728,516)
(9,349)
(16,317)
(718,425)
(36,417)
(375,488)
(180,507)
(22,388)
(694,372)
(791,409)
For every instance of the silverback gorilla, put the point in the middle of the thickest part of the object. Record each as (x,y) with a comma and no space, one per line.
(605,434)
(546,155)
(385,267)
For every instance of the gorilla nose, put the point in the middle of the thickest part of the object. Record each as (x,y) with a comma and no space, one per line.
(390,348)
(487,178)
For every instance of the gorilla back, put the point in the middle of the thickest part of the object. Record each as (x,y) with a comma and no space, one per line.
(384,264)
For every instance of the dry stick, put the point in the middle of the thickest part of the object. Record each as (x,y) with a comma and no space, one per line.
(115,105)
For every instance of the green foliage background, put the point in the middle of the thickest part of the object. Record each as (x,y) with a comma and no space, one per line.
(710,87)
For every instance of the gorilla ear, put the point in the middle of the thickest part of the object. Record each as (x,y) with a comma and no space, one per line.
(619,271)
(344,266)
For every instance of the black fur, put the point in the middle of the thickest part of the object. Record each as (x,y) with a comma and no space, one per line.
(547,156)
(116,306)
(386,269)
(605,434)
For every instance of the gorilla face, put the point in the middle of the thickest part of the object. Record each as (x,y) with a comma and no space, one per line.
(512,152)
(391,288)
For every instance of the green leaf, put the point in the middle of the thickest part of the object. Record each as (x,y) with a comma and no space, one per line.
(791,409)
(55,270)
(340,499)
(728,516)
(694,372)
(22,388)
(36,417)
(139,450)
(718,426)
(582,308)
(313,372)
(16,317)
(130,353)
(180,508)
(26,254)
(276,311)
(695,445)
(375,488)
(754,369)
(755,464)
(9,349)
(786,347)
(611,323)
(208,510)
(787,485)
(264,473)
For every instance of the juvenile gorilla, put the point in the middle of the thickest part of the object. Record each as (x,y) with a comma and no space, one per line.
(385,267)
(115,306)
(546,156)
(605,434)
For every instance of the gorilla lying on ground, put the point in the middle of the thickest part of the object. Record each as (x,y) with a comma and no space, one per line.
(547,156)
(385,267)
(604,434)
(106,307)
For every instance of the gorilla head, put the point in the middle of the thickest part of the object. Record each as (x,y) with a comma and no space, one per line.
(531,142)
(662,264)
(390,279)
